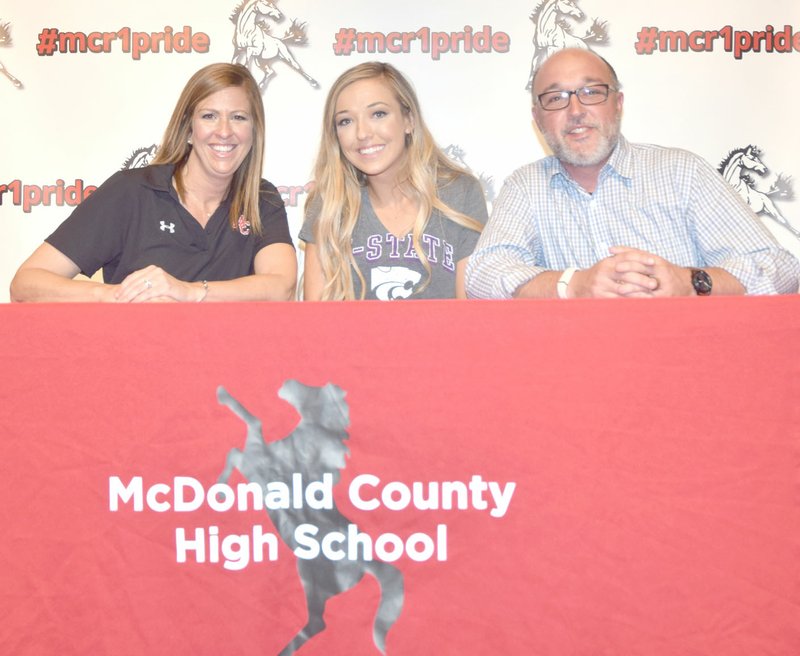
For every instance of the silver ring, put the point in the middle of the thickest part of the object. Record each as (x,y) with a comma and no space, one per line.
(148,284)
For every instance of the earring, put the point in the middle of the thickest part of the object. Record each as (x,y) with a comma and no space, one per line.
(189,141)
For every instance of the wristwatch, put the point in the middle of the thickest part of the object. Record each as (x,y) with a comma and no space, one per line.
(701,282)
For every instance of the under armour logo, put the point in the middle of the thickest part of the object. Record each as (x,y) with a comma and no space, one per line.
(167,226)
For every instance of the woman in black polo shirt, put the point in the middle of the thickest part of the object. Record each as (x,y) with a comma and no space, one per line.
(199,224)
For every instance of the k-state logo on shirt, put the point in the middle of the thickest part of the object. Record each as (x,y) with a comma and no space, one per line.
(390,283)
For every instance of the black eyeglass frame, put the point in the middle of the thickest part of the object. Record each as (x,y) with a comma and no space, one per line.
(565,95)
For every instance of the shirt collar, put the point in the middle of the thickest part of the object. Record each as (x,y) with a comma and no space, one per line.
(159,177)
(619,164)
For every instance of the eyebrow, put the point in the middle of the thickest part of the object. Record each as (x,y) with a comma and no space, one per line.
(586,82)
(201,110)
(370,106)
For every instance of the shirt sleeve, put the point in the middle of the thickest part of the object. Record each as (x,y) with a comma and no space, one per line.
(507,252)
(94,234)
(730,236)
(467,198)
(274,222)
(309,221)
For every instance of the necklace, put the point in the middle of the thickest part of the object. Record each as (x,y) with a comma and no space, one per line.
(197,207)
(201,204)
(398,217)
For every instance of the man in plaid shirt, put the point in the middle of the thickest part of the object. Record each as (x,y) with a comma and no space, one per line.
(603,217)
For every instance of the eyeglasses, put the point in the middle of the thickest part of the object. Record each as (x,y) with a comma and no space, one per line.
(594,94)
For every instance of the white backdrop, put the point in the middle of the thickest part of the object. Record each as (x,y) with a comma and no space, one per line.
(78,116)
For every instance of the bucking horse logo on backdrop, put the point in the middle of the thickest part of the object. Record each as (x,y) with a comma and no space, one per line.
(552,31)
(314,448)
(140,157)
(737,169)
(458,155)
(254,45)
(5,42)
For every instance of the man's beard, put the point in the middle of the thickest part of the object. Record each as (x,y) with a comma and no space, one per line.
(606,142)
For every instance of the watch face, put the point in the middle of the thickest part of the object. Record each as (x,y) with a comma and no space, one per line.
(701,282)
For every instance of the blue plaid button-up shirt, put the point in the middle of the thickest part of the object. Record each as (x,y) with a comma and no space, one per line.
(666,201)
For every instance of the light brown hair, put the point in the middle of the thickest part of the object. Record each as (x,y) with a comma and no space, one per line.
(175,147)
(335,200)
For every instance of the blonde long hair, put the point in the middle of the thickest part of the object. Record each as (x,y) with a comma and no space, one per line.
(175,147)
(335,200)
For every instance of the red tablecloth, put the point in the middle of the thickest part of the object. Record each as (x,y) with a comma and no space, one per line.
(653,448)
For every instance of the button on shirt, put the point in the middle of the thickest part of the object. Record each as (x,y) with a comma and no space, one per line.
(665,201)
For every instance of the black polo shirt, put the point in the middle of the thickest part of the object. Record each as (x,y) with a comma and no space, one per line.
(135,219)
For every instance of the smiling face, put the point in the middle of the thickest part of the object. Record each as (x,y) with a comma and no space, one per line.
(371,127)
(222,135)
(580,136)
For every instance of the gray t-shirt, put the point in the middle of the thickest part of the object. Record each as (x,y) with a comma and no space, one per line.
(390,265)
